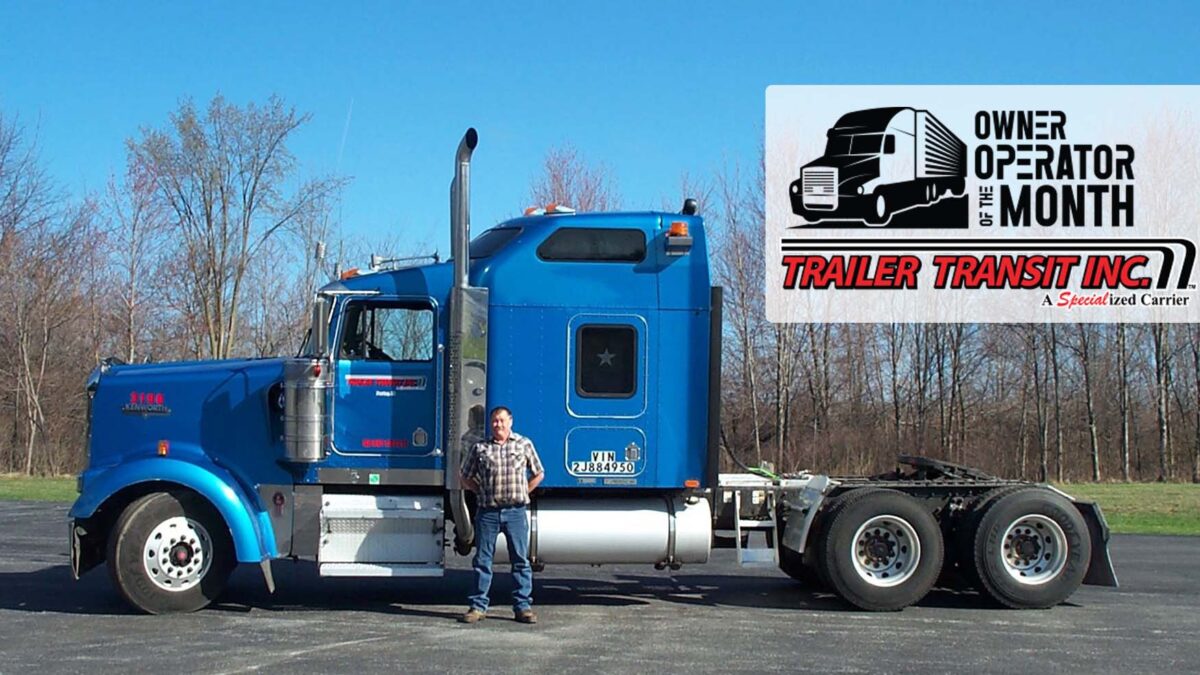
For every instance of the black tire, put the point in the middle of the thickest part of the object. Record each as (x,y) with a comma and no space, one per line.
(879,212)
(961,553)
(792,564)
(868,556)
(1018,552)
(820,531)
(205,562)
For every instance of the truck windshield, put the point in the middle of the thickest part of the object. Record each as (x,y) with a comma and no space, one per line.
(837,145)
(854,144)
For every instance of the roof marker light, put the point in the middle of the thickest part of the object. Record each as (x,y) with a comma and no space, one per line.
(679,242)
(163,447)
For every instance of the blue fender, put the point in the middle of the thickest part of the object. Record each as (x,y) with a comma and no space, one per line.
(250,527)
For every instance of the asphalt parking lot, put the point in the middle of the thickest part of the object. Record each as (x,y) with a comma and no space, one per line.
(703,618)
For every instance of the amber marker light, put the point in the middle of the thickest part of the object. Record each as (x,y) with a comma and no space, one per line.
(163,447)
(691,483)
(678,229)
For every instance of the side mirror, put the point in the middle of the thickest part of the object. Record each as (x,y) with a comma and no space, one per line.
(889,145)
(320,325)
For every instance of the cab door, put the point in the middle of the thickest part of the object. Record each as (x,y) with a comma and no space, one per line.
(385,400)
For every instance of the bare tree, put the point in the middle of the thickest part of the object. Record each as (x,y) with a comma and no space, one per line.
(1083,349)
(1123,399)
(135,237)
(222,174)
(568,179)
(1194,345)
(738,268)
(1160,333)
(1052,349)
(39,234)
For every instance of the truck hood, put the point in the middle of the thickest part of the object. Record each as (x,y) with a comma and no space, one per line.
(218,408)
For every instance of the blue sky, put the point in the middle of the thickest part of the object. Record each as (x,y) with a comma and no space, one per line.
(652,90)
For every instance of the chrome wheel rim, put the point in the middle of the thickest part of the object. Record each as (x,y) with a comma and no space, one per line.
(886,551)
(177,554)
(1034,550)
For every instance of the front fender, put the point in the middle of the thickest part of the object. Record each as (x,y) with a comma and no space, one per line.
(249,526)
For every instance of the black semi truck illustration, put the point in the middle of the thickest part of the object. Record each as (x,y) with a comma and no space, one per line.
(878,162)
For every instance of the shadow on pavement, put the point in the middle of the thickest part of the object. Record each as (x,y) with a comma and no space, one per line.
(299,588)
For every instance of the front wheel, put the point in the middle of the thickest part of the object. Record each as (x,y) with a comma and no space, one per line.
(883,551)
(879,212)
(170,553)
(1031,549)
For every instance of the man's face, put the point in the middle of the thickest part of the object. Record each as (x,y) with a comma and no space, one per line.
(501,425)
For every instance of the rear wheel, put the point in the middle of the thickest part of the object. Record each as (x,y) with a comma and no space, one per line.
(883,550)
(170,553)
(960,551)
(1031,549)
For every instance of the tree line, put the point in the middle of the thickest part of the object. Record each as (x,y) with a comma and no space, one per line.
(205,246)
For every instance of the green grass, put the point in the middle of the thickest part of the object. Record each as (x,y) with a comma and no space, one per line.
(1130,508)
(60,489)
(1144,508)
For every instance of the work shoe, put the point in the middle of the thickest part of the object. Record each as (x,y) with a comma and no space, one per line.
(472,616)
(525,616)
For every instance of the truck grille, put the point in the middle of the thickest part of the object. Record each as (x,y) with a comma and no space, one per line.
(820,188)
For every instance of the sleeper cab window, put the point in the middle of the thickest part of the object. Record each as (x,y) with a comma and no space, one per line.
(606,361)
(586,244)
(387,332)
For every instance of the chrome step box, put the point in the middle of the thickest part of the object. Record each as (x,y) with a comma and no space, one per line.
(364,535)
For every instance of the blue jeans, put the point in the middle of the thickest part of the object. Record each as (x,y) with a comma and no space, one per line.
(489,523)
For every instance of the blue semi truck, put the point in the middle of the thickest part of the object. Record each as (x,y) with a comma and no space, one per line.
(601,332)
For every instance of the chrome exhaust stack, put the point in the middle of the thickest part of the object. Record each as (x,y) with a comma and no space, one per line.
(467,346)
(460,207)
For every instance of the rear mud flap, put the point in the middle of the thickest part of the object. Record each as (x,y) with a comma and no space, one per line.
(1100,569)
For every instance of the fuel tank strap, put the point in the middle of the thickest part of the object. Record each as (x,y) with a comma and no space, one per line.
(533,535)
(670,530)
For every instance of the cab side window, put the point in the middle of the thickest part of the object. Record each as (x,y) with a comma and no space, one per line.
(581,244)
(606,361)
(387,332)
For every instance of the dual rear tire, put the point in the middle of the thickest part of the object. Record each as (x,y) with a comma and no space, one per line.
(1031,548)
(882,550)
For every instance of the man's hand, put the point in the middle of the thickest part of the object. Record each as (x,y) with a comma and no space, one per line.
(536,481)
(470,484)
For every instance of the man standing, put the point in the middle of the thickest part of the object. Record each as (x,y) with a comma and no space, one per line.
(502,472)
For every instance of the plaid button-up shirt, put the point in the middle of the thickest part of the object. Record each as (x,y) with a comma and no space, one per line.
(502,470)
